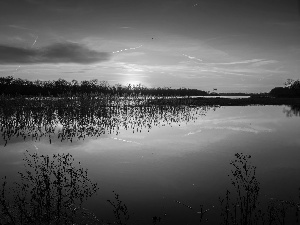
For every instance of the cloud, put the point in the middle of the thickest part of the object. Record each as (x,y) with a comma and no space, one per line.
(53,54)
(59,6)
(287,25)
(18,27)
(13,55)
(34,1)
(250,61)
(263,63)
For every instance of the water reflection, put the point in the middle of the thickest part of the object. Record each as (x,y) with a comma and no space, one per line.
(187,164)
(293,110)
(70,119)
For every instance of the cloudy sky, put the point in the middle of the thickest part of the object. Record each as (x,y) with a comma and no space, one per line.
(231,45)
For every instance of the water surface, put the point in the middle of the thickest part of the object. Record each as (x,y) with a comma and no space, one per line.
(186,161)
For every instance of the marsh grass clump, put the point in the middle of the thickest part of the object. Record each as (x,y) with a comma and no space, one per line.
(247,187)
(120,210)
(50,191)
(280,211)
(74,118)
(242,205)
(244,209)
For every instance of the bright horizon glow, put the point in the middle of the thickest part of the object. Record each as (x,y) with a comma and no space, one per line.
(132,83)
(234,46)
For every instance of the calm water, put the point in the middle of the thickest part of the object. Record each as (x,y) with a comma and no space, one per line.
(232,97)
(185,161)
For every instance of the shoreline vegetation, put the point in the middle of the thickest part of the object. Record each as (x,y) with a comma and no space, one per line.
(246,101)
(13,87)
(19,89)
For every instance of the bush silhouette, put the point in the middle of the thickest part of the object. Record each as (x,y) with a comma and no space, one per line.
(50,191)
(120,210)
(245,208)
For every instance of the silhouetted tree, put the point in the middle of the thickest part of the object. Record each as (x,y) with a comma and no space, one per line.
(11,86)
(291,89)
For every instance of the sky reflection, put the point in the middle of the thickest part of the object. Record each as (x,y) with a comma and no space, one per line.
(186,162)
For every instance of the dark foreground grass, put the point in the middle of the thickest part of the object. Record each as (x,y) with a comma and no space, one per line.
(242,204)
(52,190)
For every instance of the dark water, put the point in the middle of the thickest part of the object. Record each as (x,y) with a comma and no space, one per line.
(177,155)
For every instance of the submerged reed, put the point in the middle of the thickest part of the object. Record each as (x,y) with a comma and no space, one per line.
(244,207)
(50,191)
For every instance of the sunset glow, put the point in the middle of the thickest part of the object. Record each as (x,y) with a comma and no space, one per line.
(234,46)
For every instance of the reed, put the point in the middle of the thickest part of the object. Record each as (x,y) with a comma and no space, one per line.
(50,191)
(243,209)
(75,118)
(120,210)
(243,204)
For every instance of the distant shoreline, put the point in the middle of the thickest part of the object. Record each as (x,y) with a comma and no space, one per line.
(245,101)
(188,101)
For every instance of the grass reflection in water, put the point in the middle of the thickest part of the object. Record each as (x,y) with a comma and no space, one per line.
(89,116)
(52,189)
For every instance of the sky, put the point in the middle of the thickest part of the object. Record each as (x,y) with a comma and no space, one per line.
(228,45)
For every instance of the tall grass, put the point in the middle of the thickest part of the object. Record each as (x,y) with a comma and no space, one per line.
(120,210)
(50,191)
(243,204)
(243,209)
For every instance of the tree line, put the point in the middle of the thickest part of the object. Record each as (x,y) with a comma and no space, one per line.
(17,86)
(291,89)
